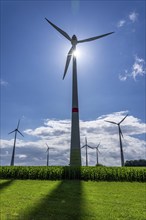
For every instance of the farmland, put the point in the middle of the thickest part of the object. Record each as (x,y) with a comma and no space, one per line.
(78,173)
(81,193)
(72,199)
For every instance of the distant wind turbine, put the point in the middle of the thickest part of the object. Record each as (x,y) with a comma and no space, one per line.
(48,148)
(97,151)
(15,137)
(120,138)
(75,153)
(86,147)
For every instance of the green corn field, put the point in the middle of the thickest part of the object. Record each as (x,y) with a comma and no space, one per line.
(74,173)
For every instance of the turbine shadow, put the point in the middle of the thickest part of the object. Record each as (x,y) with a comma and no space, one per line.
(63,203)
(5,184)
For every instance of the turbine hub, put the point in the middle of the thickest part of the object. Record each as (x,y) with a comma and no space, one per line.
(74,40)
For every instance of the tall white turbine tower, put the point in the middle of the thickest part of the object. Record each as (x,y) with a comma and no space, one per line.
(75,152)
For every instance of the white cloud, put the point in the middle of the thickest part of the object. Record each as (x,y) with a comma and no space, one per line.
(138,69)
(124,76)
(50,128)
(22,156)
(133,16)
(3,83)
(121,23)
(56,133)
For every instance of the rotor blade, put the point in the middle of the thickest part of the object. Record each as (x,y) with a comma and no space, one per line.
(85,141)
(47,149)
(12,131)
(93,147)
(111,122)
(47,145)
(99,151)
(20,133)
(90,147)
(98,144)
(83,146)
(123,119)
(94,38)
(59,30)
(121,132)
(98,147)
(69,55)
(18,123)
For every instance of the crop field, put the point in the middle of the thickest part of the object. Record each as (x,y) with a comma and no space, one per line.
(72,173)
(72,200)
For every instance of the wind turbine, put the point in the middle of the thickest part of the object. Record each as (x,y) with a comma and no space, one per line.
(120,138)
(15,137)
(75,153)
(86,147)
(48,148)
(97,151)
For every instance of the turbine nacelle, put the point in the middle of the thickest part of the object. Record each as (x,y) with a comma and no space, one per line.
(74,40)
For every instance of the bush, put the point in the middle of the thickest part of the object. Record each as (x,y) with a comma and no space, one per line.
(137,163)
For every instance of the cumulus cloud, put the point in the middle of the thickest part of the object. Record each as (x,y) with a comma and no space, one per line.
(133,16)
(138,69)
(50,128)
(56,133)
(3,82)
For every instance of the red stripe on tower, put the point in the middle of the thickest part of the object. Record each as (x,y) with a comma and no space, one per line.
(74,109)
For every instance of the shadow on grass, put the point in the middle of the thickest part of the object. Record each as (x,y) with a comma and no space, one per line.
(64,203)
(5,184)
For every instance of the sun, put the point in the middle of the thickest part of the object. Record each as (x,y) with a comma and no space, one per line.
(76,53)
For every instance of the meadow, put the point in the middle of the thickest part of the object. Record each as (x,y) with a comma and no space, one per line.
(72,200)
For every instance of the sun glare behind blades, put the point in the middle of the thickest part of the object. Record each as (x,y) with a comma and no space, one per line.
(77,53)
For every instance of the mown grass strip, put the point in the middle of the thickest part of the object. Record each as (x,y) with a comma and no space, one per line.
(72,200)
(78,173)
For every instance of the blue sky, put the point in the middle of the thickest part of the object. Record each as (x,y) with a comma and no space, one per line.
(111,79)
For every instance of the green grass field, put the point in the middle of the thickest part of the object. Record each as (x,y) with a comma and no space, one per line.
(72,200)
